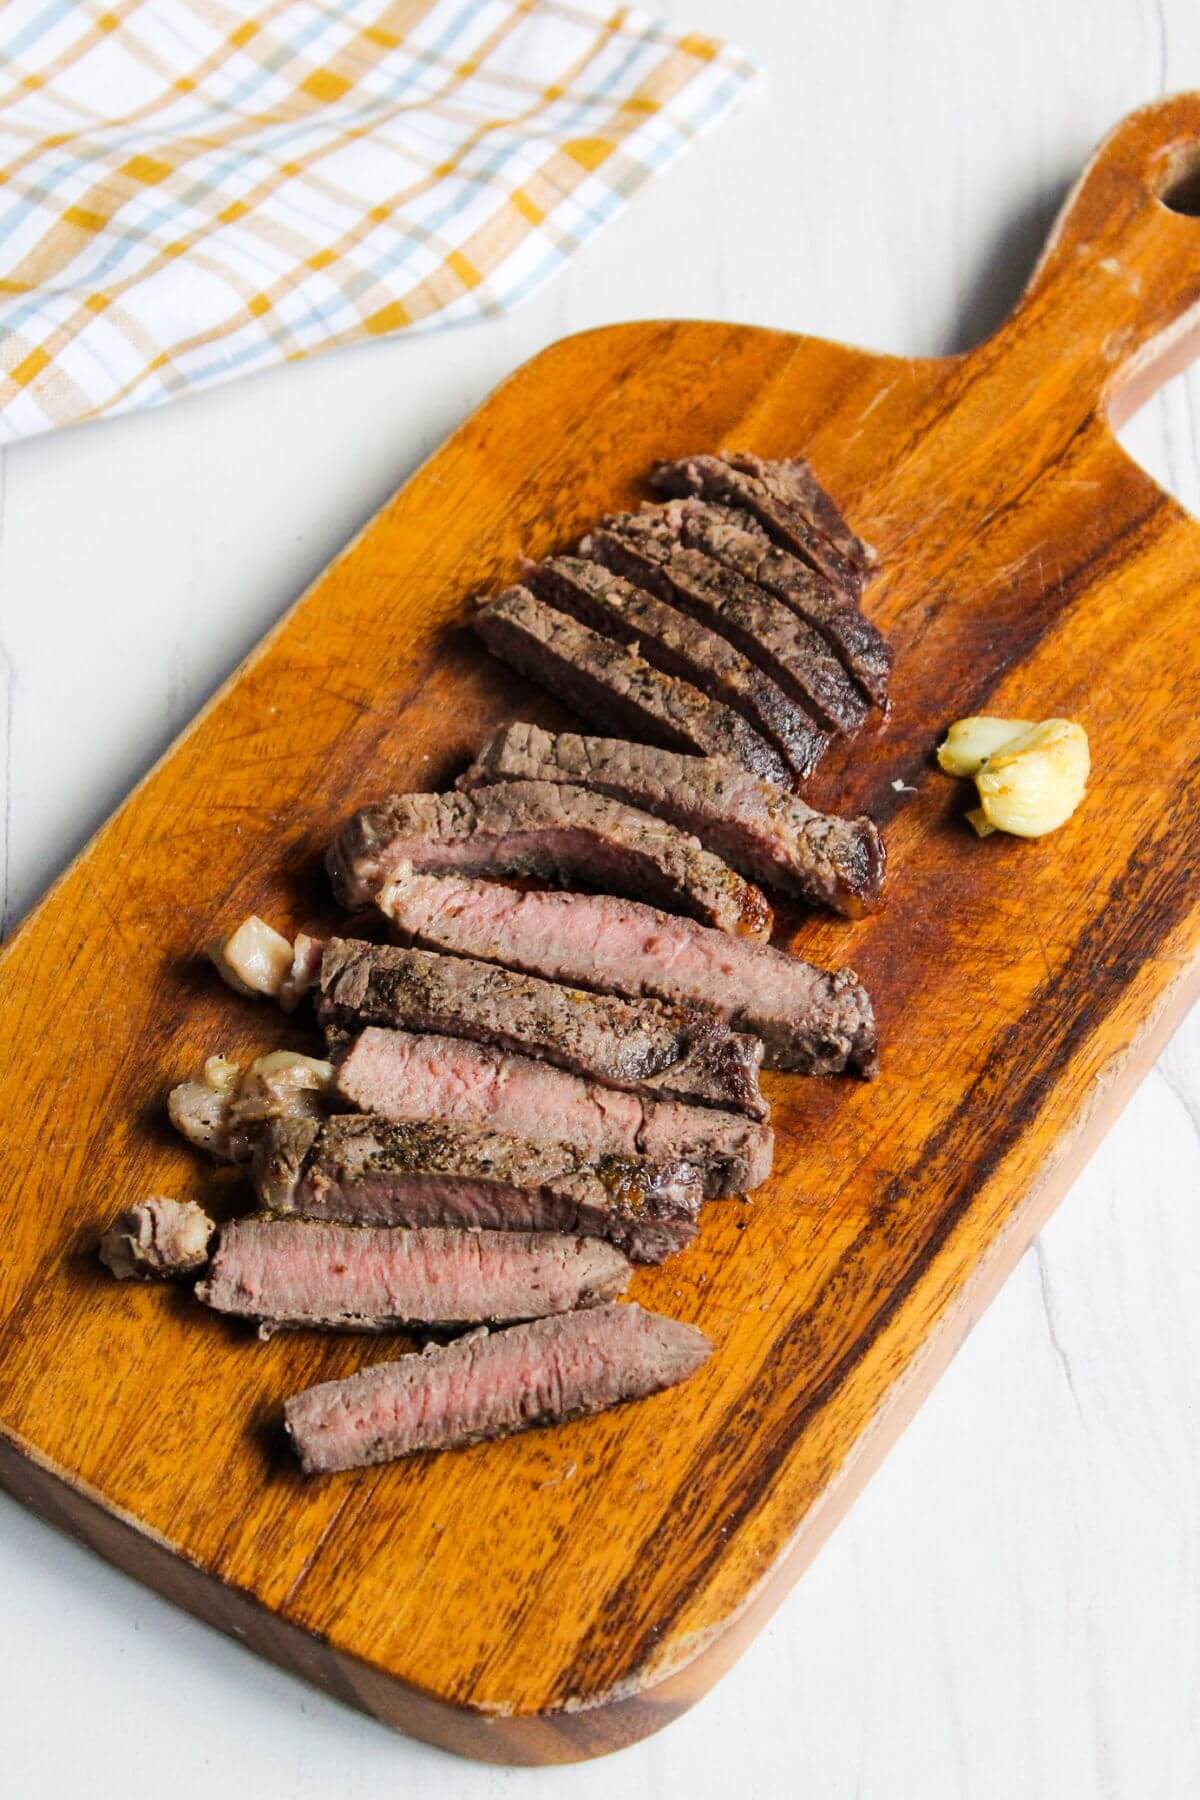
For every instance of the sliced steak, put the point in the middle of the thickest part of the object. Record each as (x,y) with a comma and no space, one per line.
(808,1019)
(769,835)
(795,481)
(680,645)
(363,1171)
(563,834)
(489,1384)
(643,1046)
(790,650)
(157,1239)
(400,1076)
(616,689)
(735,538)
(293,1272)
(722,479)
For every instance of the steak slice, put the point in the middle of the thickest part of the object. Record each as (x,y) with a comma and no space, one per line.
(771,502)
(363,1171)
(769,835)
(294,1272)
(789,649)
(643,1046)
(489,1384)
(737,540)
(562,834)
(680,645)
(794,480)
(616,689)
(809,1020)
(399,1076)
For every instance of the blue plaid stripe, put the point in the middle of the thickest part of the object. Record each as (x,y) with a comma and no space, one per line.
(220,261)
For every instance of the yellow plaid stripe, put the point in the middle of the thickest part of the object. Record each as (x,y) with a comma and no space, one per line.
(296,180)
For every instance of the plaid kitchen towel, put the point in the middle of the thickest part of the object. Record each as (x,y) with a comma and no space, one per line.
(194,188)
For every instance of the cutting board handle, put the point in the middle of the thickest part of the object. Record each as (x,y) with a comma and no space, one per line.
(1113,307)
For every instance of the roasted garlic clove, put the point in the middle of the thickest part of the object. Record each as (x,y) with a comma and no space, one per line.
(256,959)
(970,742)
(222,1112)
(201,1113)
(281,1083)
(1033,784)
(221,1075)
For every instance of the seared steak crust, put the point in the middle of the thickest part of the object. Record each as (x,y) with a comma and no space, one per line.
(362,1170)
(399,1075)
(809,1019)
(644,1046)
(609,684)
(489,1384)
(791,651)
(769,835)
(735,538)
(795,481)
(773,502)
(564,834)
(683,646)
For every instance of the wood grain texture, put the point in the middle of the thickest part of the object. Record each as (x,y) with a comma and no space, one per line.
(557,1595)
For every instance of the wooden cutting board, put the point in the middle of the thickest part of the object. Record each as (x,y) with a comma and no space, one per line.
(557,1595)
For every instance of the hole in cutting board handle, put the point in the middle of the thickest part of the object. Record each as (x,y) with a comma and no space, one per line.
(1180,190)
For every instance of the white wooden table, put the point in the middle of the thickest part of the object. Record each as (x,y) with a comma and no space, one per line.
(1013,1607)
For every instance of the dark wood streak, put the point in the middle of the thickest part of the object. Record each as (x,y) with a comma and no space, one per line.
(1147,903)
